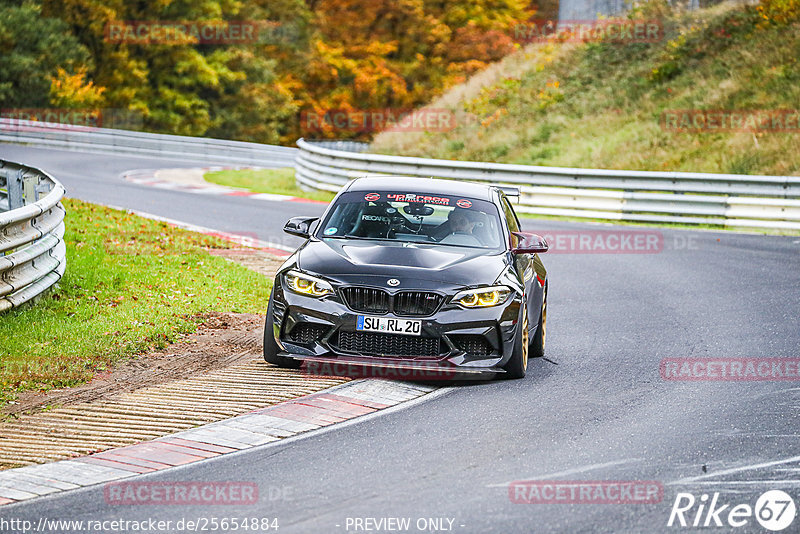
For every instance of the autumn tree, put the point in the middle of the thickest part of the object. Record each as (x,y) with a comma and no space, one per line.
(389,53)
(309,55)
(32,49)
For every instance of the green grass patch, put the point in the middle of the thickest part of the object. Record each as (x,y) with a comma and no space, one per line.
(131,285)
(275,181)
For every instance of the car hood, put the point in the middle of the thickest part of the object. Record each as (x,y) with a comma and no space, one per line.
(413,264)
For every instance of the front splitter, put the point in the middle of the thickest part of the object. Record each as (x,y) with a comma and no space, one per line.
(391,369)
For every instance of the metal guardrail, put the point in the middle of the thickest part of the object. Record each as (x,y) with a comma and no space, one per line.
(110,141)
(32,250)
(636,196)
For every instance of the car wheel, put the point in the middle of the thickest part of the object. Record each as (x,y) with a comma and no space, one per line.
(271,348)
(518,364)
(537,346)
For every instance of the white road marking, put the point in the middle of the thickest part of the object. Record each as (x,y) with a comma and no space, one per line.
(736,470)
(740,483)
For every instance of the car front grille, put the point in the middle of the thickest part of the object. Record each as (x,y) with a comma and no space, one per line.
(419,303)
(366,299)
(472,344)
(406,303)
(377,344)
(306,333)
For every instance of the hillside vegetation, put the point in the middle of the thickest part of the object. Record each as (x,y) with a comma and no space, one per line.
(601,104)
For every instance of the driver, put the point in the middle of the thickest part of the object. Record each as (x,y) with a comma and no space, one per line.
(459,221)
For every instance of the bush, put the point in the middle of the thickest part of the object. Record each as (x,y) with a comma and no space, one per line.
(780,11)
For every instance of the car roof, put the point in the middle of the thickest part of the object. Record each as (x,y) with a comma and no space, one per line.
(405,184)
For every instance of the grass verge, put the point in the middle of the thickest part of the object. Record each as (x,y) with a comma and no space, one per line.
(131,285)
(275,181)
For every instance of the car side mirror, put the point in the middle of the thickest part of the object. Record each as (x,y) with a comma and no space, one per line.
(300,226)
(529,243)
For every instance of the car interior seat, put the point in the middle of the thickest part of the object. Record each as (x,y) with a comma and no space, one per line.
(373,222)
(482,229)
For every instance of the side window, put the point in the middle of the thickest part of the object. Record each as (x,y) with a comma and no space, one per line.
(511,218)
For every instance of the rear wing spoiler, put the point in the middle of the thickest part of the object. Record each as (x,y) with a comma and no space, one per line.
(509,190)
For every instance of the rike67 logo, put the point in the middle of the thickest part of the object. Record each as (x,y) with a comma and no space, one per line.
(774,510)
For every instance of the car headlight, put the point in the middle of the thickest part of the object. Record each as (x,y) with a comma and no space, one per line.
(307,285)
(482,297)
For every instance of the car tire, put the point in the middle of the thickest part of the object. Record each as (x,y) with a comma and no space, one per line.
(518,364)
(271,348)
(539,338)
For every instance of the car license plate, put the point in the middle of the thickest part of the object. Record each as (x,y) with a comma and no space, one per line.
(409,327)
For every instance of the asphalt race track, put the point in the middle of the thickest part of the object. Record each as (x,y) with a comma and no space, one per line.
(600,412)
(95,178)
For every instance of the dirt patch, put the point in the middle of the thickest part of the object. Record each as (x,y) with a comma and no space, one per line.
(222,340)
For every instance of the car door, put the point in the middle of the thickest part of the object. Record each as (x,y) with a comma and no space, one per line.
(523,264)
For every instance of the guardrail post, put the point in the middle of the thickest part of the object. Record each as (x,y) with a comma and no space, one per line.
(29,183)
(14,187)
(39,189)
(3,195)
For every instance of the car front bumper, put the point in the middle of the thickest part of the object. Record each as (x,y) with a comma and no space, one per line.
(455,342)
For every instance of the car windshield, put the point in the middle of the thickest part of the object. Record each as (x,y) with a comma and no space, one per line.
(414,218)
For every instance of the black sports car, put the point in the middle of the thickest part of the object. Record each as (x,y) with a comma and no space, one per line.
(417,274)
